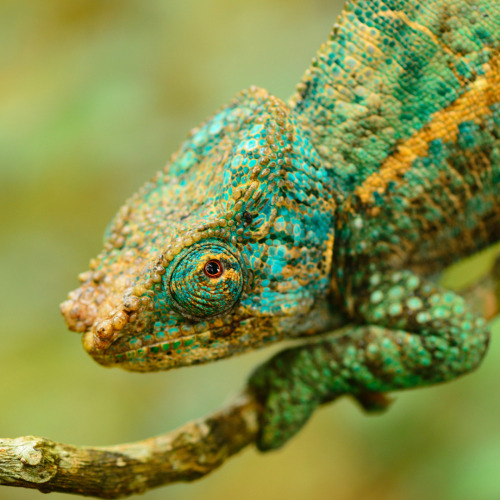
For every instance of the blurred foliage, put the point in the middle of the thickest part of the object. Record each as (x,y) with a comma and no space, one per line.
(94,97)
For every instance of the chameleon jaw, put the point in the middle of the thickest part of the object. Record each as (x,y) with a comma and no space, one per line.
(162,355)
(147,352)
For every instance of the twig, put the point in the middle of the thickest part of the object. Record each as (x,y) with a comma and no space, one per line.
(190,452)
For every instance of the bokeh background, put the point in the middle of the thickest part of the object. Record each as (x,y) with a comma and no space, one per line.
(94,97)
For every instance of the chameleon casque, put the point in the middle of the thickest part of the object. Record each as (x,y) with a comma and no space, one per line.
(280,220)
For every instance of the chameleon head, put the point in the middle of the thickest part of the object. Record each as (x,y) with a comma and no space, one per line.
(227,249)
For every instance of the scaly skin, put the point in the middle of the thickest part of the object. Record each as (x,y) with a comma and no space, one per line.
(279,220)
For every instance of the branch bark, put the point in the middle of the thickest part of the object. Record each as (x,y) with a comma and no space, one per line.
(186,454)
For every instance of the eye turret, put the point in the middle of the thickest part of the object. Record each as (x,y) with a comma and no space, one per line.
(205,280)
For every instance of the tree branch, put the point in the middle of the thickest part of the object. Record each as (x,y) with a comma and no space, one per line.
(186,454)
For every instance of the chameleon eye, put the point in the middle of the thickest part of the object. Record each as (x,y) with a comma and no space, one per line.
(191,282)
(213,268)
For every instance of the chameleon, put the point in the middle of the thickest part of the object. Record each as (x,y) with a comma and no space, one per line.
(322,220)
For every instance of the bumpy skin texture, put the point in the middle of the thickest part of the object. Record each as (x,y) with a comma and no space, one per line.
(275,221)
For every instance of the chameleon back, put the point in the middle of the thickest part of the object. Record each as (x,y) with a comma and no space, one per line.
(403,103)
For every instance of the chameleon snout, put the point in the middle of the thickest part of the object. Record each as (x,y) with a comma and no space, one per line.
(81,308)
(97,308)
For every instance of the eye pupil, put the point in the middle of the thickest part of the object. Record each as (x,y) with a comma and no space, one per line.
(213,268)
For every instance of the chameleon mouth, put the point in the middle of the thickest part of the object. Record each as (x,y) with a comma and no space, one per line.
(149,352)
(159,355)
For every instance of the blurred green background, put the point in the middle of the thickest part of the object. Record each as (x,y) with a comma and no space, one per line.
(94,97)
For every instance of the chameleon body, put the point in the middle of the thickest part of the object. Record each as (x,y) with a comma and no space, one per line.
(280,220)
